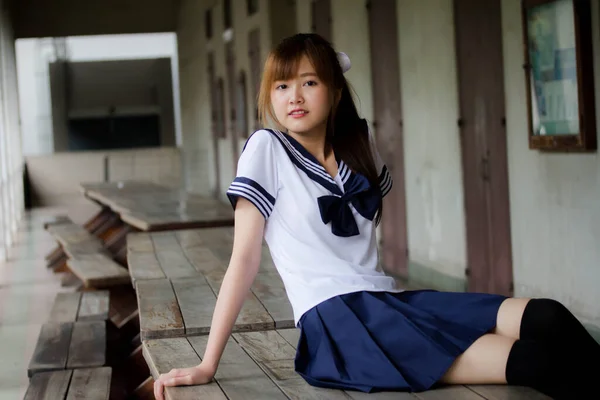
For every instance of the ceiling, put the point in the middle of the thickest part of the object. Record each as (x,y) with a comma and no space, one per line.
(58,18)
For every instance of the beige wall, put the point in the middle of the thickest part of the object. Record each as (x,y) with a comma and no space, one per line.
(198,153)
(555,198)
(434,197)
(55,178)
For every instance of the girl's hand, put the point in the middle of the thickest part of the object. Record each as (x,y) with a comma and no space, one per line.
(198,375)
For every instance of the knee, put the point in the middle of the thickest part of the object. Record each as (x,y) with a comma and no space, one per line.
(546,313)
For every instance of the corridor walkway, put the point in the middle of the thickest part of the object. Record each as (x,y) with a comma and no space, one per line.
(27,291)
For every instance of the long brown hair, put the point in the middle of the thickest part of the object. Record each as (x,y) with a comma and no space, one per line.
(347,133)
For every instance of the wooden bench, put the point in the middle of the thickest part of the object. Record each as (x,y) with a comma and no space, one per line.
(80,306)
(69,345)
(75,240)
(98,270)
(79,384)
(260,365)
(178,273)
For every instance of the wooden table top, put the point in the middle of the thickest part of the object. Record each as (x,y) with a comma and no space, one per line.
(178,273)
(151,207)
(260,365)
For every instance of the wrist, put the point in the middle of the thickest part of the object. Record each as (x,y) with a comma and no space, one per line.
(208,366)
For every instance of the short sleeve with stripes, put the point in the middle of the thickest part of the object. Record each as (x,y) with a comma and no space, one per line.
(385,178)
(256,179)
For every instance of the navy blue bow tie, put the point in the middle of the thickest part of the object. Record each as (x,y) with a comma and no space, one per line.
(364,198)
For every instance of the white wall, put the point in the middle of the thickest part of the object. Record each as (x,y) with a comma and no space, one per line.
(33,56)
(555,198)
(351,16)
(434,187)
(11,160)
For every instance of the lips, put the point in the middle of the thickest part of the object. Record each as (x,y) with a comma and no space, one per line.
(298,113)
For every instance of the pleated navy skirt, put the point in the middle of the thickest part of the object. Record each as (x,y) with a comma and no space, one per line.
(381,341)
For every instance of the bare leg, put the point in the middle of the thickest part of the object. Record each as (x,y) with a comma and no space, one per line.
(484,362)
(508,322)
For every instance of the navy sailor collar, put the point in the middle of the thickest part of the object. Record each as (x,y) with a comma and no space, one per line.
(304,160)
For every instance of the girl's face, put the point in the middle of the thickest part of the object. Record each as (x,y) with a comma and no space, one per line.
(302,104)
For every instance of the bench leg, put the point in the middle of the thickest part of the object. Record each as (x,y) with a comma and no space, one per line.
(55,254)
(59,264)
(123,307)
(96,221)
(70,280)
(145,391)
(108,228)
(118,239)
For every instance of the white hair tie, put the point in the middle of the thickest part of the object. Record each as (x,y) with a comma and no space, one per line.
(344,61)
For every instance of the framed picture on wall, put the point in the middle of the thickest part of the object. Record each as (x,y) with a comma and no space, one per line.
(559,74)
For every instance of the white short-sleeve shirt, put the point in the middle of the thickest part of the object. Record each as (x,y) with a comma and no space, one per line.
(319,229)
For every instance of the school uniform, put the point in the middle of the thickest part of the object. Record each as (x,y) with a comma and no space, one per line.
(359,331)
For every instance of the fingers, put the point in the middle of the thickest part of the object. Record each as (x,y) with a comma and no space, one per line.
(158,390)
(175,377)
(179,381)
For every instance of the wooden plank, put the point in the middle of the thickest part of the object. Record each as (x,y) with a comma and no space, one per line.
(52,348)
(449,393)
(143,266)
(90,384)
(276,357)
(204,260)
(253,315)
(98,271)
(159,311)
(197,303)
(162,355)
(164,241)
(381,396)
(238,375)
(94,306)
(174,263)
(292,336)
(140,242)
(504,392)
(48,385)
(65,307)
(88,345)
(270,291)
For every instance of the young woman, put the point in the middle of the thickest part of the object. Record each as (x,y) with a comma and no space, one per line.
(313,188)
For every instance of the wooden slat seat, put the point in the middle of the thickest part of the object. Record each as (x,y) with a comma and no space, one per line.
(57,220)
(260,365)
(178,273)
(80,306)
(68,345)
(78,384)
(98,270)
(75,240)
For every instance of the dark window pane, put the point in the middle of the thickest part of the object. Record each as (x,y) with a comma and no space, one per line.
(227,13)
(252,6)
(208,23)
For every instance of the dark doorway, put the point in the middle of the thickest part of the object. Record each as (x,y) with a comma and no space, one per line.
(483,143)
(122,132)
(388,130)
(321,18)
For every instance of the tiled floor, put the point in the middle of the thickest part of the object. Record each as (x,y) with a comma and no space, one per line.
(27,291)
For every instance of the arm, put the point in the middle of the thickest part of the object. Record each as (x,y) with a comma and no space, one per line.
(243,267)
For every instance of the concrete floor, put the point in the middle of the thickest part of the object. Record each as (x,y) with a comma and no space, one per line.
(27,291)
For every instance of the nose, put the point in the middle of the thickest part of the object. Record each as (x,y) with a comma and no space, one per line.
(296,95)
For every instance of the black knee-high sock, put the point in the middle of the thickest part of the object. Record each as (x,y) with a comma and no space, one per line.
(549,321)
(550,370)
